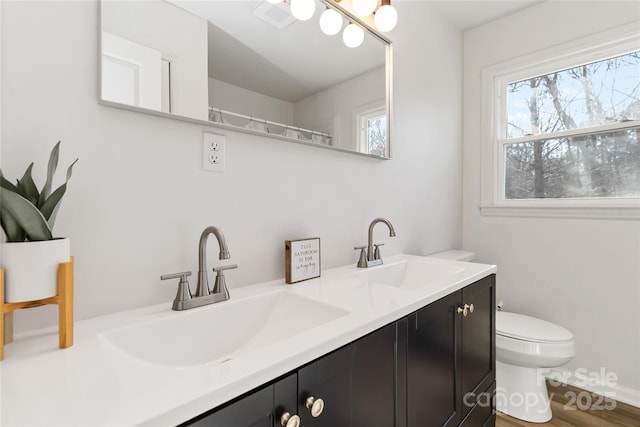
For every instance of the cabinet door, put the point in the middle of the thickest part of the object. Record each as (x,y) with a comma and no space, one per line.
(285,398)
(478,341)
(433,377)
(356,382)
(483,413)
(260,408)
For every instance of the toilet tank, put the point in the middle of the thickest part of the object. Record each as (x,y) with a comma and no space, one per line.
(454,255)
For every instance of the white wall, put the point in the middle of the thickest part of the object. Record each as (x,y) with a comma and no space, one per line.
(138,199)
(150,24)
(581,274)
(330,111)
(243,101)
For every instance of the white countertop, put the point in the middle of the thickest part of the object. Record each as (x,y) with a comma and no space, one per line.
(95,384)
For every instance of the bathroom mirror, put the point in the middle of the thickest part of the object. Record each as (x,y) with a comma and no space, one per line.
(248,66)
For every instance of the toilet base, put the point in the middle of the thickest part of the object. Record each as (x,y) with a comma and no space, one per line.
(522,393)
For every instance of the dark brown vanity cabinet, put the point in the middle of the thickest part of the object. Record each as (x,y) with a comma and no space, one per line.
(451,359)
(354,386)
(435,367)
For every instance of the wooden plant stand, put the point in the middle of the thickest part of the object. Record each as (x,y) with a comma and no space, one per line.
(64,299)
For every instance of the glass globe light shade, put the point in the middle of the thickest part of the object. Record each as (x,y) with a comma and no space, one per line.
(353,35)
(303,10)
(386,18)
(364,7)
(330,22)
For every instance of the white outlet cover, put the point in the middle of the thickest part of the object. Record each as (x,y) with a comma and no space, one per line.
(213,152)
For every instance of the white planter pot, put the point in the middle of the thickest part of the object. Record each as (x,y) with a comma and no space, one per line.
(31,268)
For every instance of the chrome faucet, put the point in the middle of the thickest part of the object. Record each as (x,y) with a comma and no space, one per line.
(203,283)
(203,296)
(372,257)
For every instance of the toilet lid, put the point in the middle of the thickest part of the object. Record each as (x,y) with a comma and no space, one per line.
(528,328)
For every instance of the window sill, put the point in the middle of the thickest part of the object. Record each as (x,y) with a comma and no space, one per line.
(629,213)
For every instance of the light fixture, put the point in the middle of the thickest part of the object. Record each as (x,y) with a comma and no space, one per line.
(303,9)
(353,35)
(386,17)
(274,1)
(330,22)
(364,7)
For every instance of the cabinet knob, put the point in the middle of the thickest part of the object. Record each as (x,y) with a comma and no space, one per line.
(288,420)
(465,310)
(316,406)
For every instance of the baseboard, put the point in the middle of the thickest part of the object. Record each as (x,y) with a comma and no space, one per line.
(610,390)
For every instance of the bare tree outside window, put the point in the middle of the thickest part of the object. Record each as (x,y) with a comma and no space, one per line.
(377,135)
(572,153)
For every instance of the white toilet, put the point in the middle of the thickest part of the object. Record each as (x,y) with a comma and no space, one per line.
(526,348)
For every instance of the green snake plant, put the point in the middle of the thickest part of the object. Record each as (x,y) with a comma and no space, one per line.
(27,214)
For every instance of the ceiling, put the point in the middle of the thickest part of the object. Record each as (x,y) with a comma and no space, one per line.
(467,14)
(289,63)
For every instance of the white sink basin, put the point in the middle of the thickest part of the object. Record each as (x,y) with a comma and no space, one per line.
(217,332)
(409,274)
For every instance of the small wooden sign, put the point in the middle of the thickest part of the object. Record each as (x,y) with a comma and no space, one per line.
(302,259)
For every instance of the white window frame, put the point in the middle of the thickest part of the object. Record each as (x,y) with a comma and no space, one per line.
(495,80)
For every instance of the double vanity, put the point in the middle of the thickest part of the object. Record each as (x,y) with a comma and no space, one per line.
(406,343)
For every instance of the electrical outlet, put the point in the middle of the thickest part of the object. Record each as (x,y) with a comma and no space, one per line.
(213,152)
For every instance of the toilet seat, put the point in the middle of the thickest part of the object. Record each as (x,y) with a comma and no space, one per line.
(534,343)
(526,328)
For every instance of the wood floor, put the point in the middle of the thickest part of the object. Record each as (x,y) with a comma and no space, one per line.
(566,412)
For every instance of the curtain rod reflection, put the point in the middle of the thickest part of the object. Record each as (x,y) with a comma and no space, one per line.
(218,115)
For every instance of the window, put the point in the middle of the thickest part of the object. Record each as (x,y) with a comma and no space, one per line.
(371,123)
(564,132)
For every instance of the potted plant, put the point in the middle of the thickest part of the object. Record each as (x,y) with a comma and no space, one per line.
(31,254)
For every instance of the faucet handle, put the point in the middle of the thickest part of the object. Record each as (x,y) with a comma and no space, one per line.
(182,276)
(362,261)
(220,286)
(184,293)
(220,270)
(376,253)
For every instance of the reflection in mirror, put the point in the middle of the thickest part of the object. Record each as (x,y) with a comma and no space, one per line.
(249,66)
